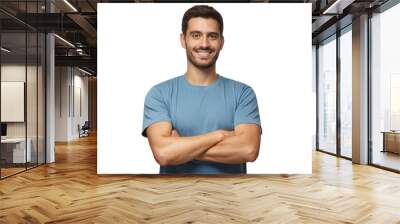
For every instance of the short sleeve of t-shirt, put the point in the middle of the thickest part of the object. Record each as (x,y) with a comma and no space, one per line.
(247,108)
(155,109)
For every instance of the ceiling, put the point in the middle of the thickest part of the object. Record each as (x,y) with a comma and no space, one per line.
(76,22)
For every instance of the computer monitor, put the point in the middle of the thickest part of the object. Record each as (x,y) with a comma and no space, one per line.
(3,129)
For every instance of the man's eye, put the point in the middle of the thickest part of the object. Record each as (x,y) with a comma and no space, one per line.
(214,36)
(196,35)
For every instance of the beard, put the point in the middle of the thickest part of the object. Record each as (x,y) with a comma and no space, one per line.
(197,63)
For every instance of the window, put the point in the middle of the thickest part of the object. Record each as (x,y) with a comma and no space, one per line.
(327,96)
(385,88)
(346,93)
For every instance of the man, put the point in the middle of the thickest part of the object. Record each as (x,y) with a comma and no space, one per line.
(202,122)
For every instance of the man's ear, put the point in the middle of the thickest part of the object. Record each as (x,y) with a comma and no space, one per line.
(183,43)
(222,42)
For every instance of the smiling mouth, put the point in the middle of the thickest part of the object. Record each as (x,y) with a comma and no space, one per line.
(203,53)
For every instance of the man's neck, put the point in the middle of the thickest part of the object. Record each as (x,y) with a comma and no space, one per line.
(201,77)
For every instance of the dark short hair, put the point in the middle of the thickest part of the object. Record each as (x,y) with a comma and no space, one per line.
(203,11)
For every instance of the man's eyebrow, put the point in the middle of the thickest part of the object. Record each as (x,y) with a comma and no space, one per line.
(197,31)
(216,33)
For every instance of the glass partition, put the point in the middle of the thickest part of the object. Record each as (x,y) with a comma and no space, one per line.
(327,96)
(385,89)
(346,93)
(13,108)
(22,67)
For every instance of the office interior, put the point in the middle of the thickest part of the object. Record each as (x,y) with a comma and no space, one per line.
(48,118)
(47,81)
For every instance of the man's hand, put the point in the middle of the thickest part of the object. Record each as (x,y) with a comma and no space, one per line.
(171,149)
(239,146)
(226,134)
(231,147)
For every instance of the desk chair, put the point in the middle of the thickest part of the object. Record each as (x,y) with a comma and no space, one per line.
(84,130)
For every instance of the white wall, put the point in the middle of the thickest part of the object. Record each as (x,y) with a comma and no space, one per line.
(70,83)
(61,103)
(81,83)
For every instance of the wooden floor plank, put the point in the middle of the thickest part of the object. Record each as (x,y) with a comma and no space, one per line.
(70,191)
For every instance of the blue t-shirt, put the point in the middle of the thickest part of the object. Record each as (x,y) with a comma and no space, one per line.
(195,110)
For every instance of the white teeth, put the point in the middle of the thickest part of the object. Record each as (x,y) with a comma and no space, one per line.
(203,51)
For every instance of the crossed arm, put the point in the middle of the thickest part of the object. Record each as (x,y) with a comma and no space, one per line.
(231,147)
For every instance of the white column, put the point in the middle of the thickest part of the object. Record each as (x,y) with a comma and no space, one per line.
(360,90)
(50,93)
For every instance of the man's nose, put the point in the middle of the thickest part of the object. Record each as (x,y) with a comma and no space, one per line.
(204,42)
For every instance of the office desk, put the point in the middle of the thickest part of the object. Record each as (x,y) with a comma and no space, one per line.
(391,141)
(13,150)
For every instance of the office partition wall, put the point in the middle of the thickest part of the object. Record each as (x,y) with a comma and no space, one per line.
(22,64)
(13,74)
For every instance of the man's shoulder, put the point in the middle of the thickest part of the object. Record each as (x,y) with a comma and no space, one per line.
(235,83)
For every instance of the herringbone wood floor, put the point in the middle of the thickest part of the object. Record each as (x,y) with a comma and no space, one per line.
(70,191)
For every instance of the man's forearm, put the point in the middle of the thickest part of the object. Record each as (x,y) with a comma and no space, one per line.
(174,150)
(242,146)
(231,151)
